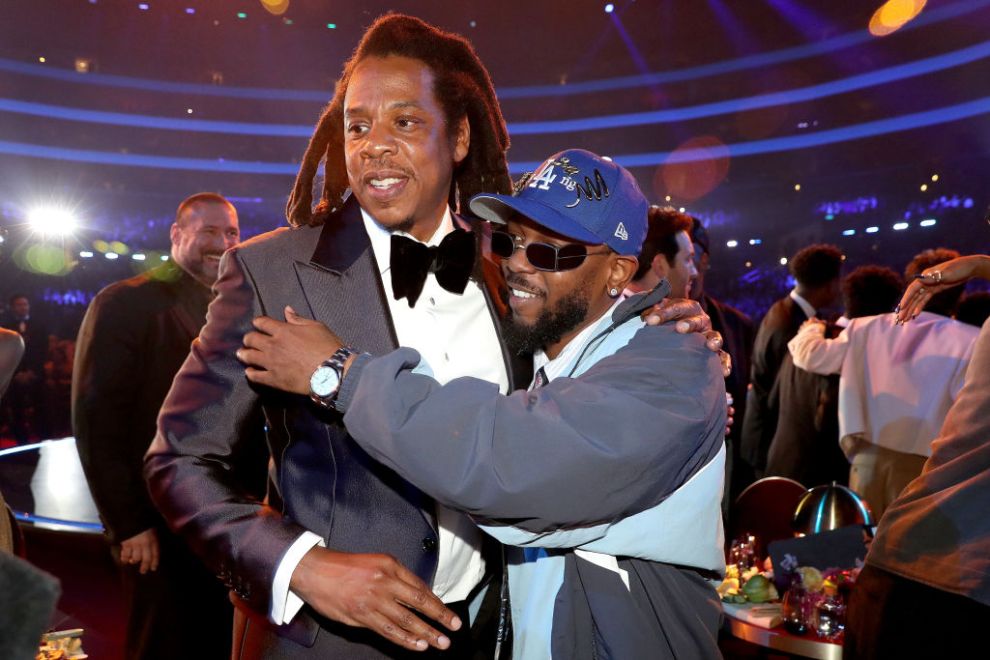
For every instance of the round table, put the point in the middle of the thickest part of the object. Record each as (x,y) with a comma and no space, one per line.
(807,646)
(45,487)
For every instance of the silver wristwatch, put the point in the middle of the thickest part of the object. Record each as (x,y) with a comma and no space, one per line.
(325,381)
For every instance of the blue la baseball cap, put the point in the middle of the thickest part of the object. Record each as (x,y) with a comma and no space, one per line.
(579,195)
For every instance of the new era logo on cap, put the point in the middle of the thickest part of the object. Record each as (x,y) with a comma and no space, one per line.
(580,195)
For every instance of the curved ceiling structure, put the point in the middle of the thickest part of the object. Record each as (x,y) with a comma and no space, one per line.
(777,109)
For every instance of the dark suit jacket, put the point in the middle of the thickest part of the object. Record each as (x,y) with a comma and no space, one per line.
(35,337)
(805,446)
(134,337)
(738,331)
(778,327)
(320,479)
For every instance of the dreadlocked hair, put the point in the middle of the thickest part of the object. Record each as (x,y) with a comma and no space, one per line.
(462,87)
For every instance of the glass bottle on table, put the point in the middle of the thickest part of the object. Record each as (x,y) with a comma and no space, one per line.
(742,552)
(830,615)
(793,608)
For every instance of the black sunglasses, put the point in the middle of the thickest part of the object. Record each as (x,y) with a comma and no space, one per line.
(543,256)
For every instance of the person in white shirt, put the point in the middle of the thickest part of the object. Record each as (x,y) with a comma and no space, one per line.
(897,383)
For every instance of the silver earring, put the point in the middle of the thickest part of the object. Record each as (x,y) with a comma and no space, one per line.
(613,292)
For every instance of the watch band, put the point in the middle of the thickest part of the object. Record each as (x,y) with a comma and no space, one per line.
(335,362)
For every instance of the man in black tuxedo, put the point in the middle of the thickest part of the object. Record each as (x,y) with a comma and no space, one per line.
(342,550)
(133,339)
(816,269)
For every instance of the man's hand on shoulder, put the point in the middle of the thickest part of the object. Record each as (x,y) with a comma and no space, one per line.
(284,355)
(689,317)
(375,592)
(814,322)
(141,549)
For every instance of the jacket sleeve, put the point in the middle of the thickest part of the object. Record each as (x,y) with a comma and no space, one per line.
(812,352)
(108,356)
(580,451)
(204,431)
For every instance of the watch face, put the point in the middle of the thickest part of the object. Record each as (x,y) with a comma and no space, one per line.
(324,381)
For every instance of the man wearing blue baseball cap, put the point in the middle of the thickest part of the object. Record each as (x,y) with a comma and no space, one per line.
(604,478)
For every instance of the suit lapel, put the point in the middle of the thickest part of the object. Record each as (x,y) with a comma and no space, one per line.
(343,288)
(342,285)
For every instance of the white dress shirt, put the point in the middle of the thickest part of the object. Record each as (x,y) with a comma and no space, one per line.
(806,307)
(455,335)
(896,382)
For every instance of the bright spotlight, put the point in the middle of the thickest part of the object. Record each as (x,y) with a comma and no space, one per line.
(900,226)
(783,261)
(86,254)
(137,256)
(927,223)
(731,244)
(872,230)
(52,221)
(848,232)
(111,255)
(609,8)
(893,15)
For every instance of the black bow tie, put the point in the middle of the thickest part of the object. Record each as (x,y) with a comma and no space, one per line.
(411,262)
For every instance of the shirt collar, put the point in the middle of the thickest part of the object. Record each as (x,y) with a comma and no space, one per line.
(805,306)
(553,368)
(381,238)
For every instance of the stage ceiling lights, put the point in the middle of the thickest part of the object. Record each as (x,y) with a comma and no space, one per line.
(52,220)
(893,15)
(275,7)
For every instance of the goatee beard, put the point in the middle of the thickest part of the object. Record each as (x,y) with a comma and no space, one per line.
(550,326)
(405,226)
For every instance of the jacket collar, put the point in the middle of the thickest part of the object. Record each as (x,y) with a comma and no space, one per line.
(342,240)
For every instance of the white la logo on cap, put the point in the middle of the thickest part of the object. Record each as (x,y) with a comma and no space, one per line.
(620,232)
